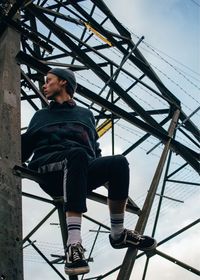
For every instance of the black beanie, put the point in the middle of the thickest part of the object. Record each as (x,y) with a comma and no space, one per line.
(65,74)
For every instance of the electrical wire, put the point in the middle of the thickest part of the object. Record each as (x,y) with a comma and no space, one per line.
(197,4)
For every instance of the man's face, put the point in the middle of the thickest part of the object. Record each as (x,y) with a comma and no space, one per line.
(53,86)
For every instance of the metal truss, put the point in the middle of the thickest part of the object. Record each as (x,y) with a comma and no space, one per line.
(102,53)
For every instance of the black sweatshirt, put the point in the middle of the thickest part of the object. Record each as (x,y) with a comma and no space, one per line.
(59,127)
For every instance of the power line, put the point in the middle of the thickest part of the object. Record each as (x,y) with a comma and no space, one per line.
(180,72)
(195,3)
(100,16)
(156,50)
(171,65)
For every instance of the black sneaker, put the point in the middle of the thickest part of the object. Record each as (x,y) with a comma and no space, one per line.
(131,238)
(75,261)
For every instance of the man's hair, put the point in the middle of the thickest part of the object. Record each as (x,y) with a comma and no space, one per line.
(69,89)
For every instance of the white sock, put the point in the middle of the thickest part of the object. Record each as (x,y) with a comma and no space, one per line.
(74,230)
(117,225)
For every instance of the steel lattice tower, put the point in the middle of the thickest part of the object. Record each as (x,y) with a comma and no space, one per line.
(110,68)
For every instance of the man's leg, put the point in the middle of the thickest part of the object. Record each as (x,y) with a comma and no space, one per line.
(74,221)
(115,171)
(66,175)
(75,191)
(117,213)
(75,260)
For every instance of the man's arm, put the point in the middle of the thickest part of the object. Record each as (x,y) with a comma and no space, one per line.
(96,144)
(97,149)
(26,147)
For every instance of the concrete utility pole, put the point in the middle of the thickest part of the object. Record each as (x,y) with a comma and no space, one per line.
(11,262)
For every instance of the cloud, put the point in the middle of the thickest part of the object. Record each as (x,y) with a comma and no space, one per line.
(181,249)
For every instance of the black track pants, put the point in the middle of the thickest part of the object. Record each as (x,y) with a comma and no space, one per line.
(70,174)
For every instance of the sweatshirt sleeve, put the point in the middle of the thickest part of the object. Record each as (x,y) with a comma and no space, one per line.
(97,145)
(97,149)
(27,141)
(26,147)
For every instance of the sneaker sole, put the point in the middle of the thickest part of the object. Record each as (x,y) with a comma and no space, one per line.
(123,246)
(77,271)
(149,248)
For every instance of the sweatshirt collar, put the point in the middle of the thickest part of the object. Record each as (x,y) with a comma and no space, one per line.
(69,103)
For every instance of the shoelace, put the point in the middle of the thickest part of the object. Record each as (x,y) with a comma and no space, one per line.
(134,234)
(76,252)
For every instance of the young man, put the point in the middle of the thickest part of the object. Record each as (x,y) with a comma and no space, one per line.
(63,141)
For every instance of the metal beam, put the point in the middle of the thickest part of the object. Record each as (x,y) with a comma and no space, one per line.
(28,34)
(45,258)
(34,88)
(132,208)
(143,138)
(129,259)
(177,170)
(190,126)
(183,182)
(32,175)
(38,225)
(190,156)
(177,262)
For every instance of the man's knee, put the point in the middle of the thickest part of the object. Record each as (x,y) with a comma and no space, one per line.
(121,162)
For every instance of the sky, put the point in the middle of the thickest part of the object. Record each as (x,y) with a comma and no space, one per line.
(172,30)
